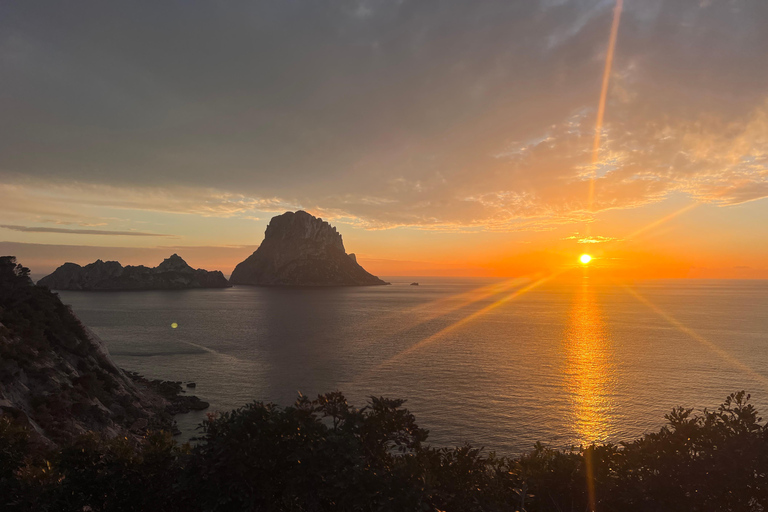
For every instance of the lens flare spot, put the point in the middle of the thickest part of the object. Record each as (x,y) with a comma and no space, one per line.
(174,325)
(585,258)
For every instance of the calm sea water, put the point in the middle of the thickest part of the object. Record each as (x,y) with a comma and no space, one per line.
(495,363)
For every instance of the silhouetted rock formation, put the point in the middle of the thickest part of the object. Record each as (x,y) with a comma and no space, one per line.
(302,250)
(57,377)
(172,274)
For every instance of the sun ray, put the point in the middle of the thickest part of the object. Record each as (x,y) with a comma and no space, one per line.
(443,306)
(435,308)
(601,103)
(452,327)
(665,219)
(698,337)
(661,221)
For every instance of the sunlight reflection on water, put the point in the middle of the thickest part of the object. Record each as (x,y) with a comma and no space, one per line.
(589,370)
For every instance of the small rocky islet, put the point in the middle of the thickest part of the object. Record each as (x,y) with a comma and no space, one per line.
(172,274)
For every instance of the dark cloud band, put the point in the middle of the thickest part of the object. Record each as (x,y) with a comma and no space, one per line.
(31,229)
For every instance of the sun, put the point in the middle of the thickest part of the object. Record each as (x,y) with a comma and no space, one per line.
(585,258)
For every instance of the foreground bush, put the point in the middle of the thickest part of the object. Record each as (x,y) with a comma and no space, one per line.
(326,455)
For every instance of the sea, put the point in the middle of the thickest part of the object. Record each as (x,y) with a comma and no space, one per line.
(497,363)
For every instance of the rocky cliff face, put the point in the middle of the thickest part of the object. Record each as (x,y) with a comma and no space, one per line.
(56,376)
(172,274)
(301,250)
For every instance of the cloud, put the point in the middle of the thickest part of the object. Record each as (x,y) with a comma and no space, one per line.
(464,117)
(69,201)
(32,229)
(597,239)
(185,200)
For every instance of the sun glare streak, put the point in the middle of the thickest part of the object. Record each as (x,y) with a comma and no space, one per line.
(588,361)
(698,337)
(433,309)
(661,221)
(603,98)
(452,327)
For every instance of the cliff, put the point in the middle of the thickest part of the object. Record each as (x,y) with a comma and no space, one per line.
(302,250)
(172,274)
(56,376)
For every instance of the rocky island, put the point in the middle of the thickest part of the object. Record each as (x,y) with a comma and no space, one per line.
(302,250)
(57,378)
(172,274)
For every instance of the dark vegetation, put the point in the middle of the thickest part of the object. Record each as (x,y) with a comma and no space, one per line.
(326,455)
(34,313)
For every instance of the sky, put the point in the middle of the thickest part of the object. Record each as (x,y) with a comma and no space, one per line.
(447,137)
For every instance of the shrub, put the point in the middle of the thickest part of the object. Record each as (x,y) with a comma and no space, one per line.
(324,454)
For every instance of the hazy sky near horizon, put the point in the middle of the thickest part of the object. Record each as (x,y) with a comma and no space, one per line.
(449,135)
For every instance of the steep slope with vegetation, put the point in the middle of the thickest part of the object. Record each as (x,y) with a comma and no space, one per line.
(56,377)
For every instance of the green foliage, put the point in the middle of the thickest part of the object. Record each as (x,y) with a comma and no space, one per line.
(324,454)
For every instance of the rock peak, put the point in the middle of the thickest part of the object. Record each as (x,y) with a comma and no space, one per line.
(302,225)
(174,262)
(301,250)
